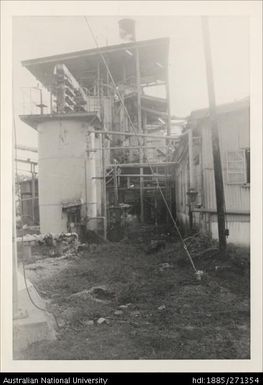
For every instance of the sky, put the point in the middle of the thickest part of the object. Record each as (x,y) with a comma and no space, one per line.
(37,36)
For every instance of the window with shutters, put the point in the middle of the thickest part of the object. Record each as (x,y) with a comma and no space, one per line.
(237,170)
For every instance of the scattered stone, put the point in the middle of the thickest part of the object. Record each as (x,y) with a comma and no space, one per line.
(125,306)
(162,307)
(165,266)
(118,312)
(102,320)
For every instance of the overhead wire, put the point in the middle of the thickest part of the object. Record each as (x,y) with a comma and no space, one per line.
(147,161)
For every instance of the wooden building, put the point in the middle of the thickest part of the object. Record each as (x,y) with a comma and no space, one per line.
(194,173)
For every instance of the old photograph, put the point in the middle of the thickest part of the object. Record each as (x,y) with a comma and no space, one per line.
(131,187)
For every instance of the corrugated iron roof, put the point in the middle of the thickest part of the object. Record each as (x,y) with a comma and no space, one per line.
(221,109)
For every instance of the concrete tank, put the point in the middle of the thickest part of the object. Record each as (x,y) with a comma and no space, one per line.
(67,172)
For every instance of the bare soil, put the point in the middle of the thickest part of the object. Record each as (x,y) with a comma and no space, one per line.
(152,305)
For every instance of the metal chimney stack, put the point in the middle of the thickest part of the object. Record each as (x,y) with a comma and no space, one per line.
(127,30)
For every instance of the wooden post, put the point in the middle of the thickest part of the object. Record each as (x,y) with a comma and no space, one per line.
(219,186)
(139,118)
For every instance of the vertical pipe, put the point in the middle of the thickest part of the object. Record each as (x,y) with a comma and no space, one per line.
(33,192)
(86,187)
(91,175)
(139,118)
(115,180)
(104,191)
(219,186)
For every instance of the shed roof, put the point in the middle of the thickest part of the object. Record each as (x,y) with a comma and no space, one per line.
(83,64)
(221,109)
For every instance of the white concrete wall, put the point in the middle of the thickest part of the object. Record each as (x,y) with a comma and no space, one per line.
(62,157)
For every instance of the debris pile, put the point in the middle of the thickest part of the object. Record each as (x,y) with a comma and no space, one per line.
(56,244)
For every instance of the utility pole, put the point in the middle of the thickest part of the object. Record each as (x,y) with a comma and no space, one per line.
(219,186)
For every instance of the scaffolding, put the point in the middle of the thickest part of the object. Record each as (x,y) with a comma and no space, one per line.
(112,83)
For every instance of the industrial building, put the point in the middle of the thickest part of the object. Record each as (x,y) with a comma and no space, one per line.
(104,137)
(195,187)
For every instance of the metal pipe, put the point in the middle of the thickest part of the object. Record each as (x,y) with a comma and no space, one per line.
(131,134)
(127,148)
(144,164)
(146,175)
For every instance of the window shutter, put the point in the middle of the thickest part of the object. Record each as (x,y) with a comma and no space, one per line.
(236,167)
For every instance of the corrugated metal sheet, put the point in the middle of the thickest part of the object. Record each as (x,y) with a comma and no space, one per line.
(233,130)
(233,136)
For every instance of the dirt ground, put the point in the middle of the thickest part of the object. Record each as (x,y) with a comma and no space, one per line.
(144,304)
